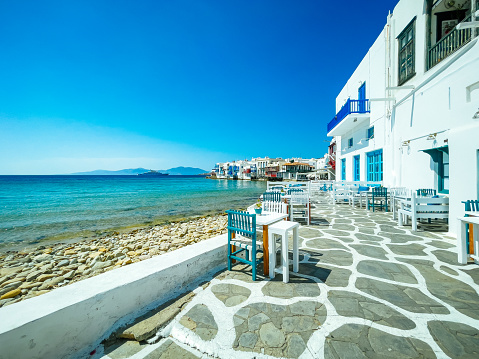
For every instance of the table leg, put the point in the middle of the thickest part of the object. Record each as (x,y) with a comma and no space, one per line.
(471,239)
(265,251)
(461,243)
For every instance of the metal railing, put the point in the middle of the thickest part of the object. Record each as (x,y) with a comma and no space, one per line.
(448,45)
(351,106)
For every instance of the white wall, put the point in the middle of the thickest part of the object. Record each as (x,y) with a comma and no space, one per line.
(71,321)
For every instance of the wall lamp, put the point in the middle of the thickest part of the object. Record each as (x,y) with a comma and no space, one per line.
(476,115)
(406,143)
(431,137)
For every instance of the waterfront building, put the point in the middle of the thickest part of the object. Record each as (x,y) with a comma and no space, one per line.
(408,115)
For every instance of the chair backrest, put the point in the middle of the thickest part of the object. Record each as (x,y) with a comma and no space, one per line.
(242,223)
(299,198)
(277,207)
(424,192)
(276,188)
(380,192)
(291,190)
(272,196)
(471,205)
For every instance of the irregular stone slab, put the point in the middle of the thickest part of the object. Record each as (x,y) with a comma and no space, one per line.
(354,305)
(277,330)
(410,299)
(457,340)
(446,256)
(442,244)
(359,341)
(343,227)
(386,270)
(370,251)
(391,229)
(297,287)
(230,294)
(474,273)
(341,258)
(368,237)
(451,290)
(411,249)
(124,349)
(336,233)
(400,238)
(149,324)
(342,221)
(449,270)
(170,350)
(309,233)
(365,231)
(200,320)
(333,277)
(326,243)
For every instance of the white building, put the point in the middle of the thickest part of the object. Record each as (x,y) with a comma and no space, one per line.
(409,114)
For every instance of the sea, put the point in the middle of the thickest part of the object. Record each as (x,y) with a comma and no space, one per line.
(39,209)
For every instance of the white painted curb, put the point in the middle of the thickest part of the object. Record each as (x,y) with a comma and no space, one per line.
(70,322)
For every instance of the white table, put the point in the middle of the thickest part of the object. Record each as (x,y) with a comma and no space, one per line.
(265,219)
(462,239)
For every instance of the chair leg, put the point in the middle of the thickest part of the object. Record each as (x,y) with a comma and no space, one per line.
(295,251)
(284,255)
(254,262)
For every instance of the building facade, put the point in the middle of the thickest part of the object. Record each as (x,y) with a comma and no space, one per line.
(409,114)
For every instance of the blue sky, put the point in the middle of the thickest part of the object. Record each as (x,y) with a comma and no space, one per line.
(117,84)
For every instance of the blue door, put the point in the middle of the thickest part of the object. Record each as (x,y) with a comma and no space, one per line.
(362,98)
(343,169)
(356,168)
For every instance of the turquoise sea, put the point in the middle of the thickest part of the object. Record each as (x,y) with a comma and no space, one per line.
(41,208)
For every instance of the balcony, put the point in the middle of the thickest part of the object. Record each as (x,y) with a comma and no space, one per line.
(448,45)
(358,108)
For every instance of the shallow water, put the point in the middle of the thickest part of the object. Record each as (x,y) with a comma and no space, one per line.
(36,208)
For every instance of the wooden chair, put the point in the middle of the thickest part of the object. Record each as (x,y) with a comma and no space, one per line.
(379,199)
(423,208)
(272,196)
(471,205)
(242,234)
(426,192)
(299,205)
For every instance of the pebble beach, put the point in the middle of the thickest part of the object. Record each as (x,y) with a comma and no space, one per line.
(34,271)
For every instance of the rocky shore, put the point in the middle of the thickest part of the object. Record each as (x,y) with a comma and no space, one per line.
(32,272)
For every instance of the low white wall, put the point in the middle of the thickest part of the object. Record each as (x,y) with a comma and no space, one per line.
(71,321)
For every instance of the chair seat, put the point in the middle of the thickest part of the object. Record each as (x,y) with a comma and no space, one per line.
(246,243)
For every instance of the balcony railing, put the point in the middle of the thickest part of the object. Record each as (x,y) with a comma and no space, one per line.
(351,106)
(449,44)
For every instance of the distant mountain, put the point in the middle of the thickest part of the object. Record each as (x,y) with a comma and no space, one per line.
(191,171)
(134,171)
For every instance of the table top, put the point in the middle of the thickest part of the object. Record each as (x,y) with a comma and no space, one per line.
(266,218)
(474,220)
(472,213)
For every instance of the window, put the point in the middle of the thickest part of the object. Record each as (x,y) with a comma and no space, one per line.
(406,53)
(443,180)
(370,132)
(350,142)
(356,168)
(375,165)
(343,169)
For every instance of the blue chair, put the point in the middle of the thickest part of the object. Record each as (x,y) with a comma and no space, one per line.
(272,196)
(242,234)
(291,190)
(379,198)
(471,205)
(426,192)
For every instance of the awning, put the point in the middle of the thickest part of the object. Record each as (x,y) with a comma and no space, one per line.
(430,151)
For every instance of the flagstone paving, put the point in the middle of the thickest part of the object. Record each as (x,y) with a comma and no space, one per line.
(366,288)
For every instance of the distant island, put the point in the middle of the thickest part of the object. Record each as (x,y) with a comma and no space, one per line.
(176,171)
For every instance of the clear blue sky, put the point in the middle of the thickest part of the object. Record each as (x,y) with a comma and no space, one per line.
(94,84)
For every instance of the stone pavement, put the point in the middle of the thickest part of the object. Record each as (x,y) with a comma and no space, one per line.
(366,288)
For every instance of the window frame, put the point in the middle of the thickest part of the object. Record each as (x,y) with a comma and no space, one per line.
(343,169)
(411,44)
(375,166)
(356,168)
(350,142)
(370,133)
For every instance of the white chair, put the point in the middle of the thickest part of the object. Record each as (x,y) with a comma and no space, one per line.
(423,208)
(281,229)
(277,207)
(299,206)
